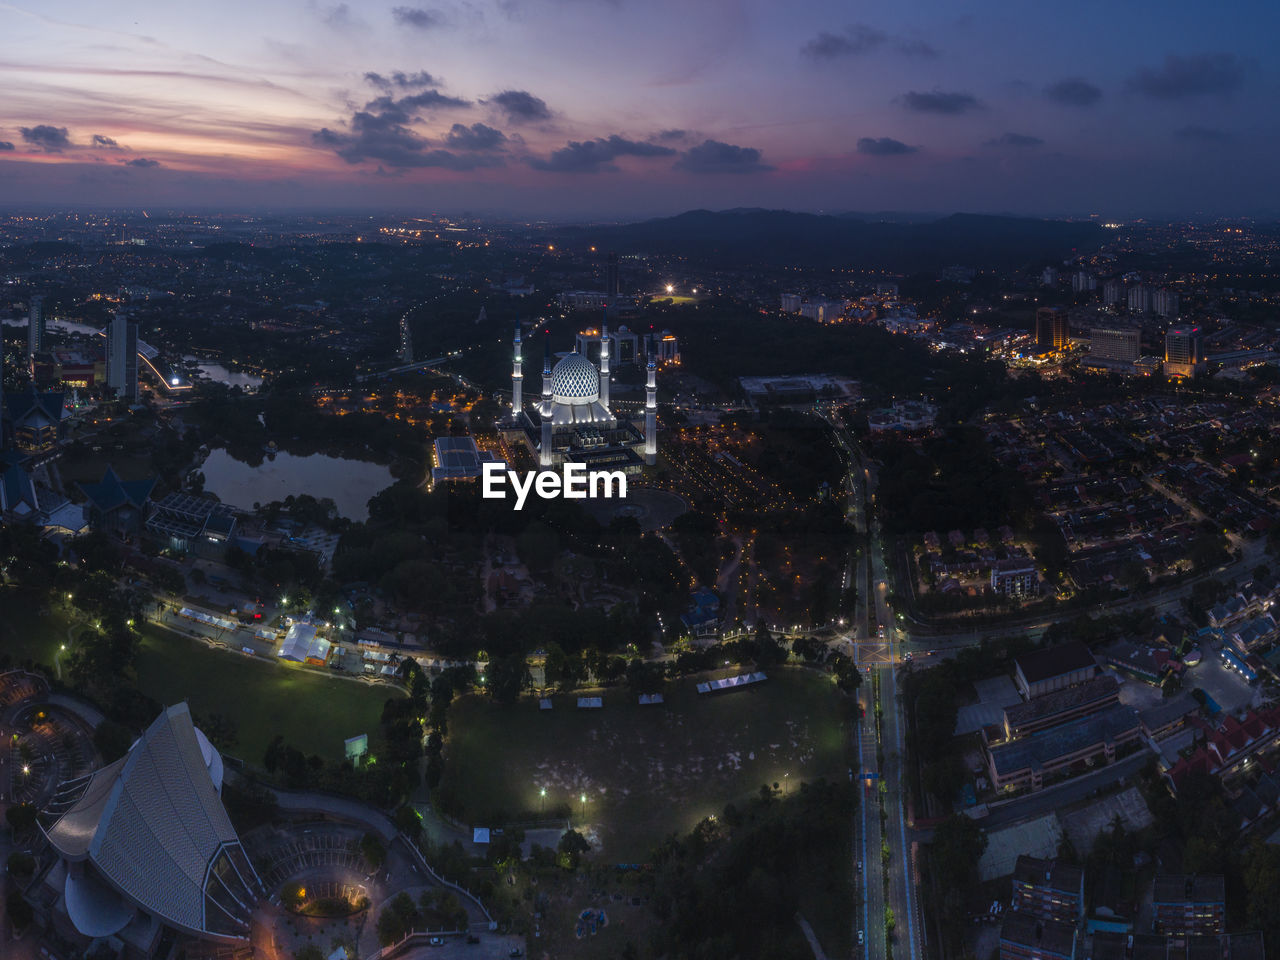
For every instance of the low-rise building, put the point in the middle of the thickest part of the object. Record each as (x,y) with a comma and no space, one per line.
(1189,904)
(1029,762)
(1053,668)
(1024,937)
(1015,577)
(1048,889)
(1061,706)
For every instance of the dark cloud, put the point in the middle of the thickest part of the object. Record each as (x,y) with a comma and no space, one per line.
(594,156)
(858,39)
(1181,77)
(521,106)
(402,110)
(884,147)
(398,78)
(339,16)
(141,162)
(1073,92)
(418,17)
(478,136)
(381,133)
(48,138)
(5,145)
(916,48)
(1015,140)
(98,140)
(715,156)
(939,101)
(1198,134)
(669,136)
(854,41)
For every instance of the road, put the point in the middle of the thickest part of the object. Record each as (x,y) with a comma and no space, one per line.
(890,883)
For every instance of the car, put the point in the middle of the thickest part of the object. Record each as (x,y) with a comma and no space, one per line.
(906,657)
(517,952)
(436,942)
(859,938)
(472,938)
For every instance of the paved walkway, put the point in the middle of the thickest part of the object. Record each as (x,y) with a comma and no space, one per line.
(809,935)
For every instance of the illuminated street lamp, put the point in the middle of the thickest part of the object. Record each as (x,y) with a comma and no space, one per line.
(542,799)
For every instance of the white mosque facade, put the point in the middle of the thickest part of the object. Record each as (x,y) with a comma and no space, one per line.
(574,420)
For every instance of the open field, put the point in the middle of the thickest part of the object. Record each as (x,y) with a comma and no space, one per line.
(25,634)
(315,713)
(648,771)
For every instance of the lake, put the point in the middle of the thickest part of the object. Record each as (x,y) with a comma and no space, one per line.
(349,483)
(220,374)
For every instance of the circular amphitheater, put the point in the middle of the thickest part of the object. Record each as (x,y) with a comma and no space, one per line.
(52,746)
(323,859)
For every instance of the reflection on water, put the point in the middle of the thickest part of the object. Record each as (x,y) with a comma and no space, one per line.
(349,483)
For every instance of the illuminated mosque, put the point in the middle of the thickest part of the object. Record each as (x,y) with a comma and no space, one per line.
(574,421)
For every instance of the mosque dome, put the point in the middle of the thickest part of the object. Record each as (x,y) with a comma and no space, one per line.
(575,380)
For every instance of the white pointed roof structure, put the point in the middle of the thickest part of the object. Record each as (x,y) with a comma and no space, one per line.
(152,826)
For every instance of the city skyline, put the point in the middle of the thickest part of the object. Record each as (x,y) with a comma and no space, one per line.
(576,108)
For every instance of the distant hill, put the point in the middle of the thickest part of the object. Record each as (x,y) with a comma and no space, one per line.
(780,237)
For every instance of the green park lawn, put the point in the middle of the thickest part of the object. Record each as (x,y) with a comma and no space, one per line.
(314,712)
(25,634)
(646,771)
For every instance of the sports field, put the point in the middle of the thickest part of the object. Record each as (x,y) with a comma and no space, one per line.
(263,698)
(646,771)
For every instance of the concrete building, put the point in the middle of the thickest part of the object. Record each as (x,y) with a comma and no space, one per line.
(1183,353)
(1082,281)
(1052,330)
(1189,904)
(1053,668)
(35,327)
(1029,763)
(122,358)
(145,846)
(1025,937)
(1048,890)
(1139,298)
(1061,706)
(1113,293)
(1123,344)
(1015,577)
(1166,303)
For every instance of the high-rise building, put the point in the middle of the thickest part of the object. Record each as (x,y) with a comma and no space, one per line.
(1115,343)
(611,278)
(1052,330)
(406,340)
(1139,298)
(1166,303)
(122,358)
(1082,281)
(1113,292)
(1182,352)
(35,327)
(1049,276)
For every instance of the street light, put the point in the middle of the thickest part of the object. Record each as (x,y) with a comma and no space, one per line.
(542,799)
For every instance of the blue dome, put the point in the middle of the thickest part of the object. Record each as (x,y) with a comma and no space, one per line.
(575,379)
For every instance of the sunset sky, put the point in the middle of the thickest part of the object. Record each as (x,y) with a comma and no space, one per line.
(627,108)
